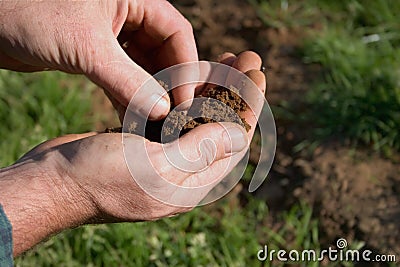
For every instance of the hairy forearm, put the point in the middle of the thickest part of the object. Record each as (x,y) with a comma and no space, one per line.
(37,203)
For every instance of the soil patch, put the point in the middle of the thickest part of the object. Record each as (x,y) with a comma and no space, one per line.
(355,194)
(216,104)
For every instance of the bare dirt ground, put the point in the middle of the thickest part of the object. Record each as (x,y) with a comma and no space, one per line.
(354,194)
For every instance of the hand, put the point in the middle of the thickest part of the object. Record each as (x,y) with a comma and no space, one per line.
(81,37)
(86,179)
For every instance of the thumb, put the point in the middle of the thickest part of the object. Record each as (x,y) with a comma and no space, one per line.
(204,145)
(127,82)
(172,173)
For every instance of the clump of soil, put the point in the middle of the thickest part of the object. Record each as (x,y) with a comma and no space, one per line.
(217,104)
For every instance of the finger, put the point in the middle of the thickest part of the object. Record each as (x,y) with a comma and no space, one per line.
(178,46)
(227,58)
(126,81)
(169,172)
(184,80)
(121,110)
(246,61)
(55,142)
(253,93)
(198,149)
(220,73)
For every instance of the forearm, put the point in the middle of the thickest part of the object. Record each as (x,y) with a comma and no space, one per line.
(37,203)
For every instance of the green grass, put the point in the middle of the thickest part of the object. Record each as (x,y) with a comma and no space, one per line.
(35,107)
(219,236)
(356,97)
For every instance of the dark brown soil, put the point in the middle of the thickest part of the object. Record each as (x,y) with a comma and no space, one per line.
(216,104)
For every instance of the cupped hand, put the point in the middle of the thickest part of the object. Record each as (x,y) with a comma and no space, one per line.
(94,166)
(116,44)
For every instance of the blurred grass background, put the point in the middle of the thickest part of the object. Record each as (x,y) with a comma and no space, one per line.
(37,107)
(355,97)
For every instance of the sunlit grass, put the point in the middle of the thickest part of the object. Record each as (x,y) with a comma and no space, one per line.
(40,106)
(356,96)
(218,236)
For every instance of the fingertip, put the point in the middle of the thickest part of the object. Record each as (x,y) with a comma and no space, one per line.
(183,96)
(160,109)
(247,60)
(234,137)
(227,58)
(258,77)
(150,100)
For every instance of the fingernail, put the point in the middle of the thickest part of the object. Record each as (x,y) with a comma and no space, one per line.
(159,105)
(235,139)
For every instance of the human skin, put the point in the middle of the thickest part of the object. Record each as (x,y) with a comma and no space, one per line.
(116,44)
(81,179)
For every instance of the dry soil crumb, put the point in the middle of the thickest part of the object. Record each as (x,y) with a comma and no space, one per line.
(216,104)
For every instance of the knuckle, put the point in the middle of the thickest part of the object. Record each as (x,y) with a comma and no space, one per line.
(207,152)
(187,26)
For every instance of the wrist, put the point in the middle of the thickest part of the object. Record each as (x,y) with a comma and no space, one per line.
(39,202)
